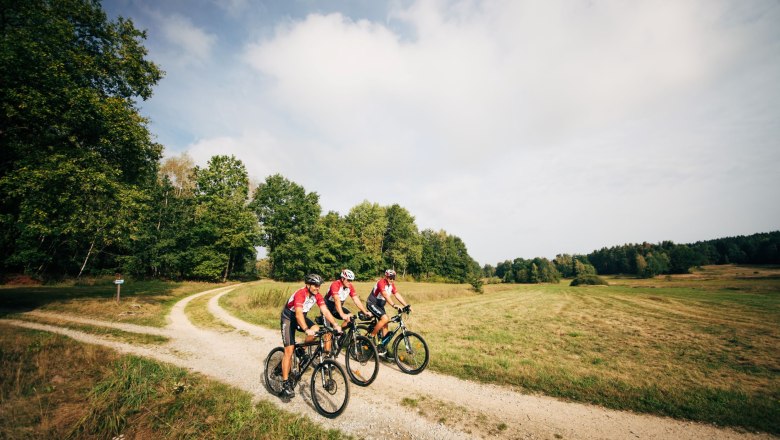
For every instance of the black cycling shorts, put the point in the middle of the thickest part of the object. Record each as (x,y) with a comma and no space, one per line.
(289,326)
(332,309)
(377,308)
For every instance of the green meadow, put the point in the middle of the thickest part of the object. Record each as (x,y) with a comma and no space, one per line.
(702,347)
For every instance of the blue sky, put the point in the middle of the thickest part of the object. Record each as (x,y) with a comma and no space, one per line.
(526,128)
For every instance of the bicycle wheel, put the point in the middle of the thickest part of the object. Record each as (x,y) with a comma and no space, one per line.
(329,389)
(362,361)
(363,330)
(411,353)
(273,370)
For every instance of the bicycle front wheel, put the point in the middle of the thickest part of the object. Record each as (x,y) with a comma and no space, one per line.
(329,389)
(411,353)
(273,370)
(362,361)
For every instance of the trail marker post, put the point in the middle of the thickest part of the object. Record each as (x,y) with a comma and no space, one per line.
(118,281)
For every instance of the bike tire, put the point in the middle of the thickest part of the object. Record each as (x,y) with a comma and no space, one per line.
(411,353)
(329,389)
(272,372)
(363,330)
(362,361)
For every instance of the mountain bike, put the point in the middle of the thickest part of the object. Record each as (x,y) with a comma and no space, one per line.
(409,349)
(329,385)
(360,357)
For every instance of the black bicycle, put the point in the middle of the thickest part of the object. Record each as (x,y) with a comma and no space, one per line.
(360,357)
(329,385)
(409,350)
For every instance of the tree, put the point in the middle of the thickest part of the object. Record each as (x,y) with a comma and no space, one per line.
(401,243)
(368,223)
(286,212)
(69,126)
(227,229)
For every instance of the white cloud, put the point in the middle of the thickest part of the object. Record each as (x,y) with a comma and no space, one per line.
(525,128)
(189,44)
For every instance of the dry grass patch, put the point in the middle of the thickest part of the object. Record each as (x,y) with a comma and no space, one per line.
(142,302)
(198,313)
(476,423)
(104,332)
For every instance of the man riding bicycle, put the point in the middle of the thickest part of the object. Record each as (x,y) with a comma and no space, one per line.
(337,294)
(294,318)
(382,293)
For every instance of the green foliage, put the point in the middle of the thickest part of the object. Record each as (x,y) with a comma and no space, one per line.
(589,280)
(287,214)
(476,283)
(73,143)
(226,229)
(668,257)
(538,270)
(401,247)
(368,223)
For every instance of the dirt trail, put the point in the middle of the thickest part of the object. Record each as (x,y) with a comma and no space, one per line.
(449,408)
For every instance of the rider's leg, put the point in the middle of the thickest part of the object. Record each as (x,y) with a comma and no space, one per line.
(381,325)
(287,361)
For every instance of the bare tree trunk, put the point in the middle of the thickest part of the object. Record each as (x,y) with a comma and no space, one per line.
(89,252)
(227,268)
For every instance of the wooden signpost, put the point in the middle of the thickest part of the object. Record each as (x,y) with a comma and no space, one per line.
(118,281)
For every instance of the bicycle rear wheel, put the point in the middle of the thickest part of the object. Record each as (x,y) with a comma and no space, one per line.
(411,353)
(329,389)
(362,361)
(273,370)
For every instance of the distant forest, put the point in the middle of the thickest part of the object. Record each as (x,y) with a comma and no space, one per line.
(643,260)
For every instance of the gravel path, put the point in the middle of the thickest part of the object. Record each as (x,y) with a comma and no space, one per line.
(450,408)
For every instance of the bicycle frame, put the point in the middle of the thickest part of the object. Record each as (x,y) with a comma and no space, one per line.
(318,353)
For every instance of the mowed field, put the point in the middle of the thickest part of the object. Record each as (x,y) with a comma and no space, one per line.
(703,346)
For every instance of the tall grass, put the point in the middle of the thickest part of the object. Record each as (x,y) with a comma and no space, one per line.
(53,387)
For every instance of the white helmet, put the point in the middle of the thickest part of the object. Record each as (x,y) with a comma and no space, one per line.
(348,274)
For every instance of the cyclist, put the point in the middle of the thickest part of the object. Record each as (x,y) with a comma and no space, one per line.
(294,318)
(382,293)
(337,294)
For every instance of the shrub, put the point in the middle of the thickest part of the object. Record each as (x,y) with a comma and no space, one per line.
(476,283)
(589,280)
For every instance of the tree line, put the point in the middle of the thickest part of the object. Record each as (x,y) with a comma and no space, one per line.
(642,260)
(84,192)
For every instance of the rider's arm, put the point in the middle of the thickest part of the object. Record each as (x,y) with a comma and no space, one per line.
(302,321)
(401,299)
(327,315)
(359,303)
(337,301)
(388,298)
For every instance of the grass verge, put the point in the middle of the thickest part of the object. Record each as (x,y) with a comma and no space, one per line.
(198,313)
(105,332)
(141,302)
(53,387)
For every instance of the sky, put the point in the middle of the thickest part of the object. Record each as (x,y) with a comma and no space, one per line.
(526,128)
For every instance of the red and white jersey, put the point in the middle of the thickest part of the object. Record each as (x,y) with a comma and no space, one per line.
(338,288)
(301,298)
(383,285)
